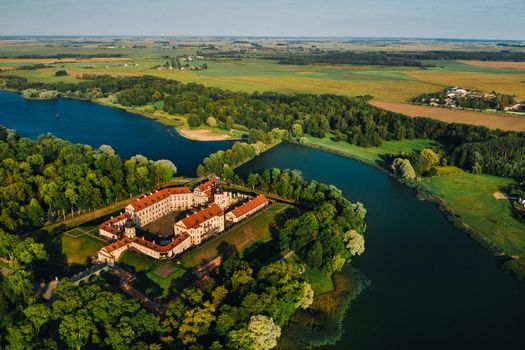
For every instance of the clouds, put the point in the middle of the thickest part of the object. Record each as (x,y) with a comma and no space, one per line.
(501,19)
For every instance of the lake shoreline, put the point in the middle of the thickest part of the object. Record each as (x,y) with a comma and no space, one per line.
(194,134)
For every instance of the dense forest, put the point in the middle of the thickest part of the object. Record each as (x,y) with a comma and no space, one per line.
(49,178)
(297,115)
(324,237)
(374,58)
(242,306)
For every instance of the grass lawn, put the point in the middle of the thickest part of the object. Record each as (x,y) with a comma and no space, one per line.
(471,197)
(75,232)
(254,230)
(139,263)
(78,249)
(148,270)
(320,281)
(165,282)
(371,154)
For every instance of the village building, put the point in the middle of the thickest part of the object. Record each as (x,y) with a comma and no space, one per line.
(247,209)
(158,204)
(201,223)
(203,194)
(111,253)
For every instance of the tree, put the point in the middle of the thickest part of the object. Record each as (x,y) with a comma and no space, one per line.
(264,332)
(7,244)
(308,298)
(28,250)
(60,73)
(297,130)
(355,243)
(426,160)
(240,339)
(314,257)
(107,149)
(212,122)
(403,168)
(75,330)
(38,315)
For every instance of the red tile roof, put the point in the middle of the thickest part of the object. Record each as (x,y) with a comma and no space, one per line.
(248,206)
(118,244)
(198,218)
(116,219)
(145,243)
(206,185)
(158,196)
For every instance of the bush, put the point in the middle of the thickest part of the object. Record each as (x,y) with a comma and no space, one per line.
(60,73)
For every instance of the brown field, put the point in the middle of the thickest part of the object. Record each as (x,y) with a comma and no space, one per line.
(491,121)
(511,84)
(81,73)
(64,60)
(496,64)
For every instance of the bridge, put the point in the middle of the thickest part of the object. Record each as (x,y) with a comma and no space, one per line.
(92,271)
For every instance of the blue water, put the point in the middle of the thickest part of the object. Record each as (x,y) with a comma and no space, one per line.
(433,287)
(92,124)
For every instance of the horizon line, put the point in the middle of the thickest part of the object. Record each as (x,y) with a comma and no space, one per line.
(247,36)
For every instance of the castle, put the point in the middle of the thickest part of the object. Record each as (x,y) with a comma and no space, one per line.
(207,200)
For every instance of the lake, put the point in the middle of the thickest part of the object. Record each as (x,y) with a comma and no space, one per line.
(433,287)
(93,124)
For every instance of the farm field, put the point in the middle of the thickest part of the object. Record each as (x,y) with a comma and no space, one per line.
(384,83)
(490,120)
(254,230)
(472,198)
(497,65)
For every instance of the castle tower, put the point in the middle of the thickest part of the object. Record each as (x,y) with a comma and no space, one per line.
(130,230)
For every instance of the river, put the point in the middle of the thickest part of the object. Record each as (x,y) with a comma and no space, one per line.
(432,286)
(93,124)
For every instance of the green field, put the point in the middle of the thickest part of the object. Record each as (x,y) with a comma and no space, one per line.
(320,281)
(79,248)
(151,269)
(396,84)
(471,197)
(371,154)
(254,230)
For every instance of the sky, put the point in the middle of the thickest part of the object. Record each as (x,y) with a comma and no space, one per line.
(465,19)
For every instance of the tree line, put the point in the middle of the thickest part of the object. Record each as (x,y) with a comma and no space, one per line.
(349,119)
(49,178)
(373,58)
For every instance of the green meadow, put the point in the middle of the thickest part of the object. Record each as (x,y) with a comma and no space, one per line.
(472,198)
